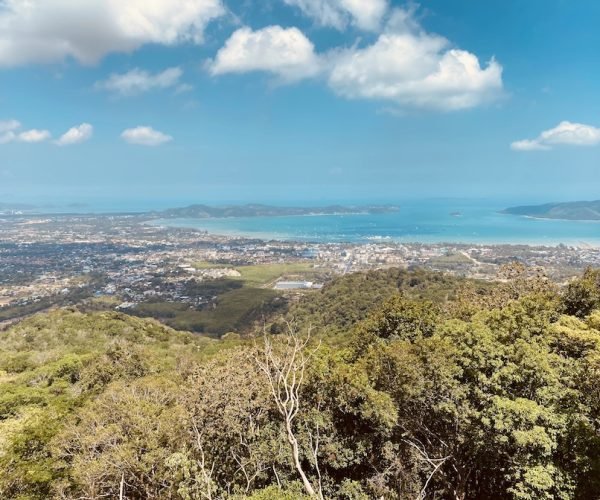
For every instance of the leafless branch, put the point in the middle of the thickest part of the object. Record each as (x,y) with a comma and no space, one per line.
(284,367)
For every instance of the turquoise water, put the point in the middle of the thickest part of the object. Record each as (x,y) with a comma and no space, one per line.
(415,222)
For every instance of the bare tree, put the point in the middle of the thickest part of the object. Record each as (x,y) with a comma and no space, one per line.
(207,484)
(314,449)
(122,487)
(434,463)
(284,366)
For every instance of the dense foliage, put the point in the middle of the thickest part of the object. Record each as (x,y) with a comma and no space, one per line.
(460,392)
(341,304)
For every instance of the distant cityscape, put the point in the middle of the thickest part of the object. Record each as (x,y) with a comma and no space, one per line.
(61,259)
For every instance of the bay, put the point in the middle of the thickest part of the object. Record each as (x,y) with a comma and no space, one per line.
(415,222)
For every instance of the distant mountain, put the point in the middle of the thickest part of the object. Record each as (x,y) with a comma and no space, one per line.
(257,210)
(575,210)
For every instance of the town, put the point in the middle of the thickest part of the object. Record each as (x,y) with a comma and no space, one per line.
(122,261)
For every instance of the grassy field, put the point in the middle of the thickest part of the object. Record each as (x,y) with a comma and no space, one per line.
(262,275)
(451,260)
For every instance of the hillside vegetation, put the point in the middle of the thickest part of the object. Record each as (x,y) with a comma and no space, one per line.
(441,389)
(575,210)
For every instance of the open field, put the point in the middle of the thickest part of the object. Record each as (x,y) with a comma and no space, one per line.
(265,274)
(261,275)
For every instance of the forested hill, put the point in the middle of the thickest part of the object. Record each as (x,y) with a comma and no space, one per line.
(462,393)
(576,210)
(257,210)
(347,300)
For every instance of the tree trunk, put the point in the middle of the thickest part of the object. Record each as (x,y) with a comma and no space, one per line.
(296,454)
(122,488)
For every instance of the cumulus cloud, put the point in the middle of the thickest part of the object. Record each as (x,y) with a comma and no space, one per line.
(283,52)
(413,68)
(145,136)
(405,65)
(45,31)
(565,133)
(528,145)
(364,14)
(33,135)
(76,135)
(10,131)
(138,81)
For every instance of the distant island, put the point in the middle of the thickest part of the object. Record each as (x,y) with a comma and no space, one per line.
(575,210)
(258,210)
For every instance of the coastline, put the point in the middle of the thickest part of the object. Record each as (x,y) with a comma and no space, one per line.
(533,217)
(366,239)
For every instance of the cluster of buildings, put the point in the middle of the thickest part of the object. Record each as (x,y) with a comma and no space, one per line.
(125,258)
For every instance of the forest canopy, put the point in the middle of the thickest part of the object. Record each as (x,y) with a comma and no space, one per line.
(440,389)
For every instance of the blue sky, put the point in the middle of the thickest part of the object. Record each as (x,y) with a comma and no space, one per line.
(298,100)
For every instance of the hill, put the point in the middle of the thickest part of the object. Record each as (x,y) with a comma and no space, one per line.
(347,300)
(258,210)
(576,210)
(492,394)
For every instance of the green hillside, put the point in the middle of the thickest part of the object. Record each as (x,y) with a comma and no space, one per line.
(441,388)
(577,210)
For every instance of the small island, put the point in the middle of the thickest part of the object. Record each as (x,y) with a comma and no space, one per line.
(575,210)
(258,210)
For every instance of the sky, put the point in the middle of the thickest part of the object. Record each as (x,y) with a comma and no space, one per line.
(286,101)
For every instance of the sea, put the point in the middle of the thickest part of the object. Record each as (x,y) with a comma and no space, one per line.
(432,221)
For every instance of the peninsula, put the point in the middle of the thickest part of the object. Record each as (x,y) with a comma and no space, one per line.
(576,210)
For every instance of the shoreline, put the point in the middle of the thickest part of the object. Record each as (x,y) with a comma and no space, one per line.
(533,217)
(366,239)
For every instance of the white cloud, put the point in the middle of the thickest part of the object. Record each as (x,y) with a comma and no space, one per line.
(76,135)
(528,145)
(145,136)
(45,31)
(10,132)
(413,68)
(284,52)
(365,14)
(565,133)
(138,81)
(33,135)
(405,66)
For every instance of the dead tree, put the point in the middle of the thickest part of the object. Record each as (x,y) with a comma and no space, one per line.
(434,463)
(284,366)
